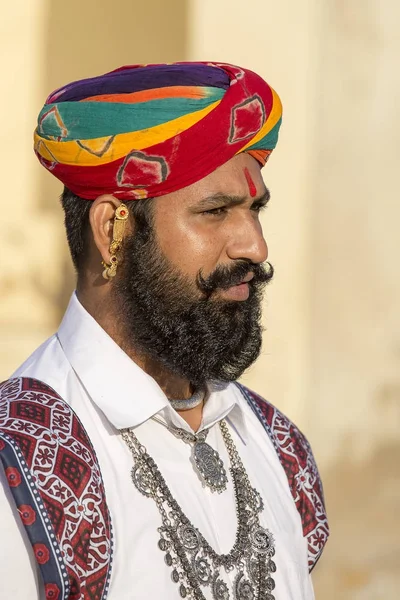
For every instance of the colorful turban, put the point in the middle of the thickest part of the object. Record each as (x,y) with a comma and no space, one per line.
(145,131)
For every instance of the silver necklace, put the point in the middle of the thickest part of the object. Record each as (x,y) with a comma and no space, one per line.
(194,400)
(206,461)
(194,563)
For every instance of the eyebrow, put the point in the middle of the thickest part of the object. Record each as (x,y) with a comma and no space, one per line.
(229,200)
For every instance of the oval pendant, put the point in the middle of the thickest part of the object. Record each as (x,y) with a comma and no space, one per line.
(209,467)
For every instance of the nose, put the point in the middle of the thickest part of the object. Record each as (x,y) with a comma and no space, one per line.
(247,241)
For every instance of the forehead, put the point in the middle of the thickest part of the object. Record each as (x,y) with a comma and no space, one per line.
(237,177)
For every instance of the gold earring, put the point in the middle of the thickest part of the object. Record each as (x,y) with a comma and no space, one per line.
(120,218)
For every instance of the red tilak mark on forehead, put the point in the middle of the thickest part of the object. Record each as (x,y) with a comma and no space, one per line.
(250,183)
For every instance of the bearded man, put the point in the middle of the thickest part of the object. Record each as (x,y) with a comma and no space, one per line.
(134,466)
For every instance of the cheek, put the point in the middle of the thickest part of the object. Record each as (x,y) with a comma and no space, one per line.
(189,246)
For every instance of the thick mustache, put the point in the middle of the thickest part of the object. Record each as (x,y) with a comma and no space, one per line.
(225,277)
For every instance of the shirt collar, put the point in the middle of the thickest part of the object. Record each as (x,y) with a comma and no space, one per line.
(221,402)
(126,394)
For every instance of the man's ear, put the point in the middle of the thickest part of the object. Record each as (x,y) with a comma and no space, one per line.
(101,219)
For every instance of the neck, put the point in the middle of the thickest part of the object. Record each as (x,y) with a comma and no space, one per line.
(173,386)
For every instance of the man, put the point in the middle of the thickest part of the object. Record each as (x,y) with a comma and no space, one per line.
(134,466)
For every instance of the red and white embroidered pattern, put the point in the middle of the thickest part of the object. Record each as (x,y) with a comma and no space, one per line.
(52,449)
(300,467)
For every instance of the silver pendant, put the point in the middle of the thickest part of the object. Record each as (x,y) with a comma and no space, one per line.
(262,541)
(243,590)
(219,589)
(209,466)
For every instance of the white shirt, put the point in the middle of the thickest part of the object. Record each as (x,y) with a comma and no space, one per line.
(108,391)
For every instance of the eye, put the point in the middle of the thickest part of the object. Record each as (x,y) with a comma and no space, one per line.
(215,211)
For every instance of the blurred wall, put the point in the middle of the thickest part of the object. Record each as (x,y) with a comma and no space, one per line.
(354,395)
(332,344)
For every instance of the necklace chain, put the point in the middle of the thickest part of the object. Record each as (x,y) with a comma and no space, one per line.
(195,564)
(186,436)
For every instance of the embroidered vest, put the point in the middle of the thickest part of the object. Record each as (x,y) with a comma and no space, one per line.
(55,480)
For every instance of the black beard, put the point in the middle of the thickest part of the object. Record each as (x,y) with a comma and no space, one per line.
(175,321)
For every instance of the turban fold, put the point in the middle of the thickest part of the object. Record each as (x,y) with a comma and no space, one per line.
(145,131)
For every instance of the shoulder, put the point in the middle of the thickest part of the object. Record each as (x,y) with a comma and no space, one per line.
(30,412)
(30,408)
(276,423)
(298,462)
(43,352)
(22,389)
(48,364)
(289,442)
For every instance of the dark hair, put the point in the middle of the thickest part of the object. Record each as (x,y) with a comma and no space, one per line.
(76,220)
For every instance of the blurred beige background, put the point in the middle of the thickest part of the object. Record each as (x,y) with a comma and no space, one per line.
(332,346)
